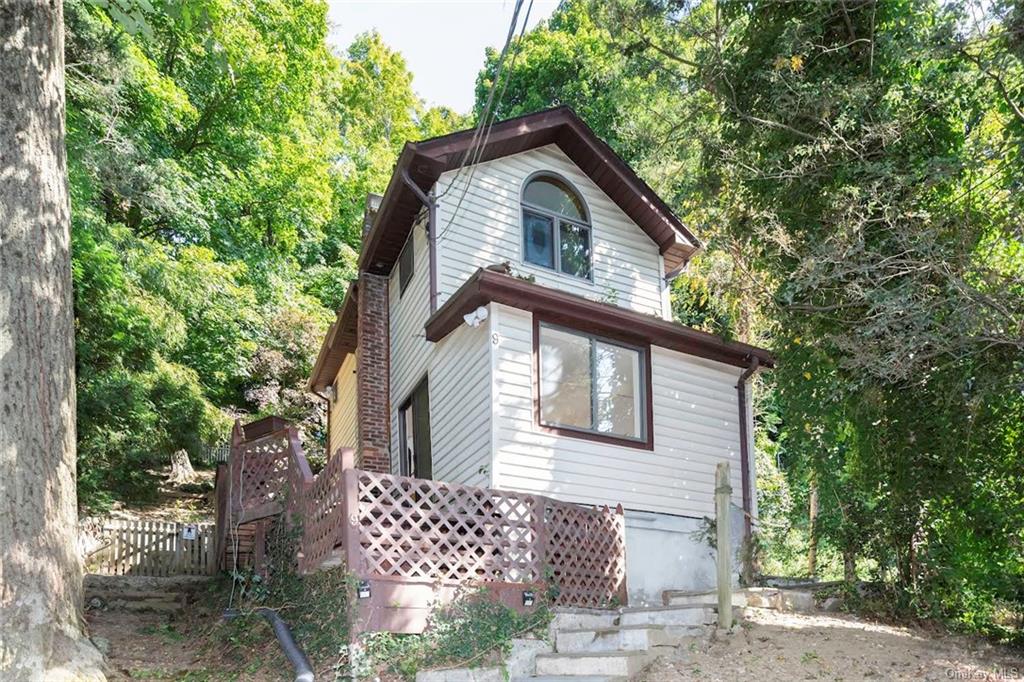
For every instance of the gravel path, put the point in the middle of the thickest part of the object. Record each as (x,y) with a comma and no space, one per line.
(782,647)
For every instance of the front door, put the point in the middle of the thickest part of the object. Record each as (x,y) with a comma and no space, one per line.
(414,433)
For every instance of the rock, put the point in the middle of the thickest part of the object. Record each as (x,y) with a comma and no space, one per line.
(461,675)
(521,661)
(832,604)
(102,644)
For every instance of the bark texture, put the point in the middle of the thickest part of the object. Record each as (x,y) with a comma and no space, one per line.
(40,570)
(181,469)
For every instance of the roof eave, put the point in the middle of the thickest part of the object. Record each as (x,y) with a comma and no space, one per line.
(328,361)
(487,286)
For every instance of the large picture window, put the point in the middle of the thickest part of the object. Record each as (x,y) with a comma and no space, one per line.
(556,229)
(592,386)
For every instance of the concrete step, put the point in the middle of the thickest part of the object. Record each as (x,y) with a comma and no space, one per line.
(691,615)
(686,598)
(613,663)
(620,638)
(579,619)
(571,678)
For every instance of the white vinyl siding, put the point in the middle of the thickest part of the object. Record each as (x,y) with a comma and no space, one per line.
(695,427)
(460,407)
(487,229)
(458,378)
(344,408)
(407,314)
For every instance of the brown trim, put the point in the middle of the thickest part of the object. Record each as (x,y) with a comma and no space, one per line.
(486,286)
(339,341)
(430,203)
(648,442)
(420,165)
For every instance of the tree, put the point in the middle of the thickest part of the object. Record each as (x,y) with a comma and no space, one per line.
(41,570)
(861,161)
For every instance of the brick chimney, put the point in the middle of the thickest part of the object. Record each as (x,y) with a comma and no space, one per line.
(373,363)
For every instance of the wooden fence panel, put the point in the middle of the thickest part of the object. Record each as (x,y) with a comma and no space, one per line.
(323,512)
(148,547)
(585,553)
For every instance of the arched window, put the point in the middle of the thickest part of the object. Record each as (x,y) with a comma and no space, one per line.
(556,227)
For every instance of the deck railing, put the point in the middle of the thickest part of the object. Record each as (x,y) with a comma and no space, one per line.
(404,530)
(323,513)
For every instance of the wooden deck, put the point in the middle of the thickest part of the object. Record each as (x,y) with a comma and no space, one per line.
(416,541)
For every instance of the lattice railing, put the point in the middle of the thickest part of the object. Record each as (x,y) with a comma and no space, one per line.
(323,513)
(415,528)
(401,528)
(260,473)
(585,552)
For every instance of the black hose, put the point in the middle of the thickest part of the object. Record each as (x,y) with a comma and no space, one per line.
(303,670)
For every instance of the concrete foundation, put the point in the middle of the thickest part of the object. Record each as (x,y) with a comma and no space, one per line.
(666,552)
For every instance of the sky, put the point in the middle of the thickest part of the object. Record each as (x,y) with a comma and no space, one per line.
(442,41)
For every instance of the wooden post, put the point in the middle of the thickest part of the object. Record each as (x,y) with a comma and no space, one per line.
(350,521)
(540,538)
(259,550)
(723,493)
(351,547)
(620,527)
(812,518)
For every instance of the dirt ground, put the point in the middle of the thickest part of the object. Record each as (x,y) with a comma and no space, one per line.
(780,647)
(189,503)
(153,646)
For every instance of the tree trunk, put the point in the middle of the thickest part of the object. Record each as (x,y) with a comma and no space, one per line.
(181,468)
(849,566)
(812,550)
(40,568)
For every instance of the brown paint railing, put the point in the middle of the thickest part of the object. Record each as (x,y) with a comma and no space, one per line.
(323,513)
(409,529)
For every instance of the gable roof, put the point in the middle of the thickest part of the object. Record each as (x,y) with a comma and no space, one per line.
(425,162)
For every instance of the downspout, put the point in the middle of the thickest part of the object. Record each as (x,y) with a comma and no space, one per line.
(295,655)
(741,391)
(431,204)
(303,670)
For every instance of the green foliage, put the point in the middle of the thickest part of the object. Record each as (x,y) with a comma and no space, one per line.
(316,606)
(471,631)
(219,157)
(853,171)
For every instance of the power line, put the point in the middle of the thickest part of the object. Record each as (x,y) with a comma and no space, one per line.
(479,151)
(490,97)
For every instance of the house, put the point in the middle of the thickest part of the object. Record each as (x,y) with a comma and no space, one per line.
(510,328)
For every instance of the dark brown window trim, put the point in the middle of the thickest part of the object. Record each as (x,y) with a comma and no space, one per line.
(648,442)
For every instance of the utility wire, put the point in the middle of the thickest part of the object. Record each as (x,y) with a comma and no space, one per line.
(483,145)
(490,98)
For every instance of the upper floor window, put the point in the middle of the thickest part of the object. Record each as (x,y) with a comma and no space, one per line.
(405,265)
(556,228)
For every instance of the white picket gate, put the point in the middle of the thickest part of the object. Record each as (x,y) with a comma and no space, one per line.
(148,547)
